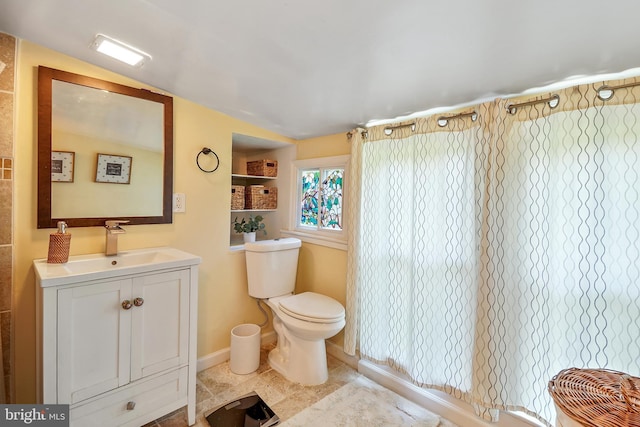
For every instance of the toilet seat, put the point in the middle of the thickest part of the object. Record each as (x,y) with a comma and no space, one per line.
(312,307)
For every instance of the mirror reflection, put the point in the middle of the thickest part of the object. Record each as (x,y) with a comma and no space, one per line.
(108,149)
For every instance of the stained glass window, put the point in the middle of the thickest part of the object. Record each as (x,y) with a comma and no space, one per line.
(321,198)
(309,203)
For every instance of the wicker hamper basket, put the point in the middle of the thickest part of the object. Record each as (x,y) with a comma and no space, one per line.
(260,197)
(237,197)
(596,397)
(263,168)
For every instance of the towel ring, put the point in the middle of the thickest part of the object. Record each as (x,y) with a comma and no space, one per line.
(207,151)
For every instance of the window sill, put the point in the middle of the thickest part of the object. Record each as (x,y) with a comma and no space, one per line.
(316,239)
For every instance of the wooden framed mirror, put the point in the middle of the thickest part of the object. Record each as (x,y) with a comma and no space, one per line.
(105,151)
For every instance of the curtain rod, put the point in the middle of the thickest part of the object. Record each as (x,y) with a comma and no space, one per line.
(512,108)
(606,92)
(406,125)
(443,120)
(362,132)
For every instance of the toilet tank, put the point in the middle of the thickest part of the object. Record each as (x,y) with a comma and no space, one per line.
(272,266)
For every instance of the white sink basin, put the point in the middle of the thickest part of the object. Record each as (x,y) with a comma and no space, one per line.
(98,266)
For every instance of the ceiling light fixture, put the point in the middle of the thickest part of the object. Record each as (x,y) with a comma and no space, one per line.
(120,51)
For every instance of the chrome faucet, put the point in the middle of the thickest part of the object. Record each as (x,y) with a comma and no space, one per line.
(113,229)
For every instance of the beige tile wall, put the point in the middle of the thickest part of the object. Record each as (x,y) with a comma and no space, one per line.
(7,82)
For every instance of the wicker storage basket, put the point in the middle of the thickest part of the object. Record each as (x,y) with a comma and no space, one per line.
(263,168)
(260,197)
(597,397)
(237,197)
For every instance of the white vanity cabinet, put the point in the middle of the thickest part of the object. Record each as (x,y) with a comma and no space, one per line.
(120,349)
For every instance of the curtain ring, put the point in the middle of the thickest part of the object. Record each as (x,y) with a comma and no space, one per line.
(605,92)
(207,151)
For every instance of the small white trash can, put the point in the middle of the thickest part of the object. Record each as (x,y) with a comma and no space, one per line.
(245,348)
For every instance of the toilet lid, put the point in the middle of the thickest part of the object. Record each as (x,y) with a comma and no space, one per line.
(313,307)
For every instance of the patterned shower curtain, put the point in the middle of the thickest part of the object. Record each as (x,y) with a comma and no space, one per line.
(495,249)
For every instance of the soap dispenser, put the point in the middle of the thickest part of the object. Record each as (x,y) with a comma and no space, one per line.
(59,243)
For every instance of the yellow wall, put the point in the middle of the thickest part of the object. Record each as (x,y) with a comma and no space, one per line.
(322,269)
(202,230)
(323,146)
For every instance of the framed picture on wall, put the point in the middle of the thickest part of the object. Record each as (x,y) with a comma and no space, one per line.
(62,166)
(113,169)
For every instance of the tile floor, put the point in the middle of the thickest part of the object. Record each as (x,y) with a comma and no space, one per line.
(218,385)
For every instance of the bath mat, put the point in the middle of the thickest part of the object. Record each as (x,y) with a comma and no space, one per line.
(364,403)
(246,411)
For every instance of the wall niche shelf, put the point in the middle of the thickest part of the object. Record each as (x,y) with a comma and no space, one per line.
(246,149)
(239,176)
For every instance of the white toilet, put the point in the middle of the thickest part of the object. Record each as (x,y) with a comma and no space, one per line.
(302,322)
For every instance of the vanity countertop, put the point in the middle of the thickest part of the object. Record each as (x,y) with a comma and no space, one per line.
(82,268)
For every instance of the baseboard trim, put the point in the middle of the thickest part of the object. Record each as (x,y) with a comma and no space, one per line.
(221,356)
(439,403)
(336,351)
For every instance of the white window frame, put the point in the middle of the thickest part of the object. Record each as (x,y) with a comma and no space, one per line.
(331,238)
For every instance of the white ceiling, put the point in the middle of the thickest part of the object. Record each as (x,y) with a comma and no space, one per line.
(305,68)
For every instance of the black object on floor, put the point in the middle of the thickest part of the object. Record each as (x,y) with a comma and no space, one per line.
(246,411)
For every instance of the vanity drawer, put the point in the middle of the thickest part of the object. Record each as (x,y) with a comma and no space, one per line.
(149,396)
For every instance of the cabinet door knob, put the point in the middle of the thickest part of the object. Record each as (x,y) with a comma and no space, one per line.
(126,304)
(131,405)
(138,301)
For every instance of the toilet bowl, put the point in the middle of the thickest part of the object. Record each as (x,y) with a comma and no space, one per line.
(302,321)
(300,355)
